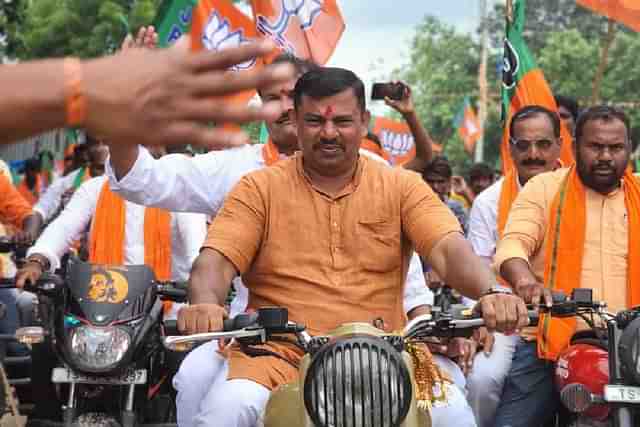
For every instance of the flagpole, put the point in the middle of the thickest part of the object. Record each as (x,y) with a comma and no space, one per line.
(604,58)
(482,82)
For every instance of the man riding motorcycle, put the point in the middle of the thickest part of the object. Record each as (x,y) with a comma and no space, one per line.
(570,228)
(486,224)
(357,217)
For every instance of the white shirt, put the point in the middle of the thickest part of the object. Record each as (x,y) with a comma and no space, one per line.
(50,200)
(187,231)
(483,222)
(200,184)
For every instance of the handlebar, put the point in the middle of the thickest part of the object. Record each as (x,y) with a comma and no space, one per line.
(171,291)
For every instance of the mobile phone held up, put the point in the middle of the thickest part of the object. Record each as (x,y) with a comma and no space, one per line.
(393,91)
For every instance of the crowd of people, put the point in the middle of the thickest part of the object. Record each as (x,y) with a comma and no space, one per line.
(316,220)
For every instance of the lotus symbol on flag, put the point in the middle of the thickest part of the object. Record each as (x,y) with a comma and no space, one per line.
(217,35)
(305,10)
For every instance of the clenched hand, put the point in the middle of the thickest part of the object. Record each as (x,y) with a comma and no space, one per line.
(201,318)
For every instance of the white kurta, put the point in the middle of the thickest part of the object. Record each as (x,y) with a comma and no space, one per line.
(50,200)
(188,231)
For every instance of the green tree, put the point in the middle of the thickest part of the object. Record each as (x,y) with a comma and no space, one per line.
(547,16)
(12,14)
(84,28)
(442,70)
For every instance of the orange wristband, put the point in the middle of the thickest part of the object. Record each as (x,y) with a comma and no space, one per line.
(74,99)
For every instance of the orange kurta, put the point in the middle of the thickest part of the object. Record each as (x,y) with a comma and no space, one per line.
(13,207)
(604,266)
(328,260)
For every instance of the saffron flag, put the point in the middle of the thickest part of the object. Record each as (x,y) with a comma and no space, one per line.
(173,20)
(468,126)
(524,84)
(308,29)
(397,140)
(625,11)
(217,25)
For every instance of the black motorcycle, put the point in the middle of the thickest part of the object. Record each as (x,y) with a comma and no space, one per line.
(104,325)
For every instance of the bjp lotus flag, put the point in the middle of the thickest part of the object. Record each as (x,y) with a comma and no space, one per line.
(397,140)
(308,29)
(524,84)
(468,126)
(217,25)
(625,11)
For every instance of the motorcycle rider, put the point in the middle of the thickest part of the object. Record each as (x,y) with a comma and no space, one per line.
(117,236)
(570,228)
(322,202)
(486,224)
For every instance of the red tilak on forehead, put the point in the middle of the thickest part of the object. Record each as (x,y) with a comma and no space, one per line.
(328,112)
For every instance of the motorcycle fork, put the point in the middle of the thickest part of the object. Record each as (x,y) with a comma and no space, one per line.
(69,411)
(622,415)
(128,415)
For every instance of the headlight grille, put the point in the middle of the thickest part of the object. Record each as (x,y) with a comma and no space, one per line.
(359,381)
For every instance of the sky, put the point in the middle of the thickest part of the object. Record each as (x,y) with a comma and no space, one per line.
(378,33)
(382,30)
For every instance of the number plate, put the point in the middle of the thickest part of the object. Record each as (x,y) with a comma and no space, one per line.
(621,393)
(64,375)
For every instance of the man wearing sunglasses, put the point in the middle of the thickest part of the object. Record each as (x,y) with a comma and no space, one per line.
(535,148)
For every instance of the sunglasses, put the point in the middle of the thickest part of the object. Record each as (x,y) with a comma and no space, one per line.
(523,145)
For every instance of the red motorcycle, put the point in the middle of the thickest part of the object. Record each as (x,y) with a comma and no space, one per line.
(598,376)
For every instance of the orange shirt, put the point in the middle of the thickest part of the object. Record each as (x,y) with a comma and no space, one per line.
(13,207)
(328,259)
(604,267)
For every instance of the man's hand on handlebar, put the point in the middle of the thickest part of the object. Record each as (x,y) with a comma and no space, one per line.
(503,312)
(533,292)
(30,272)
(201,318)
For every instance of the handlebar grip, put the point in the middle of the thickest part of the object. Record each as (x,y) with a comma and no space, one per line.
(239,322)
(173,294)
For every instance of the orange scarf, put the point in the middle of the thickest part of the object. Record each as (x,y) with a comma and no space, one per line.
(106,242)
(369,145)
(270,153)
(565,249)
(30,196)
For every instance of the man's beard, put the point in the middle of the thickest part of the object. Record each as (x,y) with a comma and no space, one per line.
(603,184)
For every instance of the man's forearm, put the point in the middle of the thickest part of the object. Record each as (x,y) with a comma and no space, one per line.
(422,141)
(122,157)
(31,99)
(516,270)
(32,224)
(211,278)
(453,259)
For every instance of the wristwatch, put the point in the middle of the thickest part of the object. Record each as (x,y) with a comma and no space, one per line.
(497,290)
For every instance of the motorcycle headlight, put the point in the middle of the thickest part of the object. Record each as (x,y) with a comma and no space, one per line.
(98,349)
(629,349)
(358,381)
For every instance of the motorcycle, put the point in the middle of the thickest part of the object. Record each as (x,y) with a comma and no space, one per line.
(598,375)
(356,375)
(104,325)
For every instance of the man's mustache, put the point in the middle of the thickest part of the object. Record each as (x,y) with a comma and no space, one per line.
(322,142)
(534,162)
(604,166)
